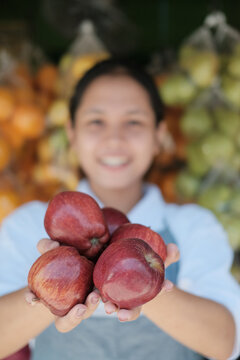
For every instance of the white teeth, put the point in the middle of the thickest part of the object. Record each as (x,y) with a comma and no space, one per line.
(114,160)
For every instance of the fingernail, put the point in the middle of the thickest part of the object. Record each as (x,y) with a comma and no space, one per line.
(80,312)
(124,318)
(95,299)
(53,245)
(169,286)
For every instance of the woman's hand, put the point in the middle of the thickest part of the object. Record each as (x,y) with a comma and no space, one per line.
(80,311)
(173,256)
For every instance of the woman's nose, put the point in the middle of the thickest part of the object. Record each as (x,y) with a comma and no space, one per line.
(115,133)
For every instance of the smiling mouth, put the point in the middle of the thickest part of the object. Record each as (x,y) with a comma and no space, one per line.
(114,161)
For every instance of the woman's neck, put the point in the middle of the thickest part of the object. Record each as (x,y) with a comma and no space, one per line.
(121,199)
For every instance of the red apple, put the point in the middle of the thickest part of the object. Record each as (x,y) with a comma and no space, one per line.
(144,233)
(129,273)
(74,218)
(61,278)
(22,354)
(114,218)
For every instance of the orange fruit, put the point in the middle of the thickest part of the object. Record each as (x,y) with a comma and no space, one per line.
(168,186)
(7,103)
(9,200)
(46,78)
(43,100)
(24,94)
(5,153)
(29,121)
(21,76)
(14,139)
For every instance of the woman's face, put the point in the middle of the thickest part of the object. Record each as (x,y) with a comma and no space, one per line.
(115,135)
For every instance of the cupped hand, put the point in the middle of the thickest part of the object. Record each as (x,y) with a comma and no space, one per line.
(173,256)
(80,311)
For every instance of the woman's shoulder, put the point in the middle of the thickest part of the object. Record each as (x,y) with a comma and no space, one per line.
(30,210)
(189,213)
(195,224)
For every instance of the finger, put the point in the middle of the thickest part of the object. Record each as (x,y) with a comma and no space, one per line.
(31,298)
(71,319)
(92,303)
(173,254)
(167,286)
(110,307)
(45,245)
(129,315)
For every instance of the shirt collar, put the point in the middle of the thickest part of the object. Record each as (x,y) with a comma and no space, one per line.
(149,211)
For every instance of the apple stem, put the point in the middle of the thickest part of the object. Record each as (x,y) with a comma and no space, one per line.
(35,299)
(94,241)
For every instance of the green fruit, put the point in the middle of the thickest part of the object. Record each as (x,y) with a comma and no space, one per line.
(177,90)
(231,90)
(231,225)
(234,163)
(228,121)
(233,66)
(236,50)
(196,122)
(216,197)
(187,184)
(201,65)
(234,204)
(237,139)
(217,148)
(235,270)
(196,160)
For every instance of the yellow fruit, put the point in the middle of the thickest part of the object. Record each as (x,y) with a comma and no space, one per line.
(58,114)
(82,63)
(65,63)
(44,150)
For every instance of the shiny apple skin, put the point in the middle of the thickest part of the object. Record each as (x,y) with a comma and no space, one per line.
(144,233)
(74,218)
(129,273)
(61,278)
(114,218)
(22,354)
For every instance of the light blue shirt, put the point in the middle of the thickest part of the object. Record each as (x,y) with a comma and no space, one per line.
(206,256)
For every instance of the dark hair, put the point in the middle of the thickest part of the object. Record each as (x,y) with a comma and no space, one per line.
(113,66)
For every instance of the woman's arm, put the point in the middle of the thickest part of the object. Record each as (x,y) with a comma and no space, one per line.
(20,322)
(201,324)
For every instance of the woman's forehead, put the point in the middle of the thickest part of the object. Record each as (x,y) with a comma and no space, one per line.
(115,89)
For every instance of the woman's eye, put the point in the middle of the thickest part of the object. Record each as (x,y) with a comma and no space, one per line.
(96,122)
(134,123)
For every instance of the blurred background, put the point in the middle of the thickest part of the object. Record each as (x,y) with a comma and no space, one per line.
(192,49)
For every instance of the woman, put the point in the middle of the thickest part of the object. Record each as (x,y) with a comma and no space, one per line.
(116,130)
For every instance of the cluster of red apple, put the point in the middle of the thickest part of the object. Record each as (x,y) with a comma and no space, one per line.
(101,248)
